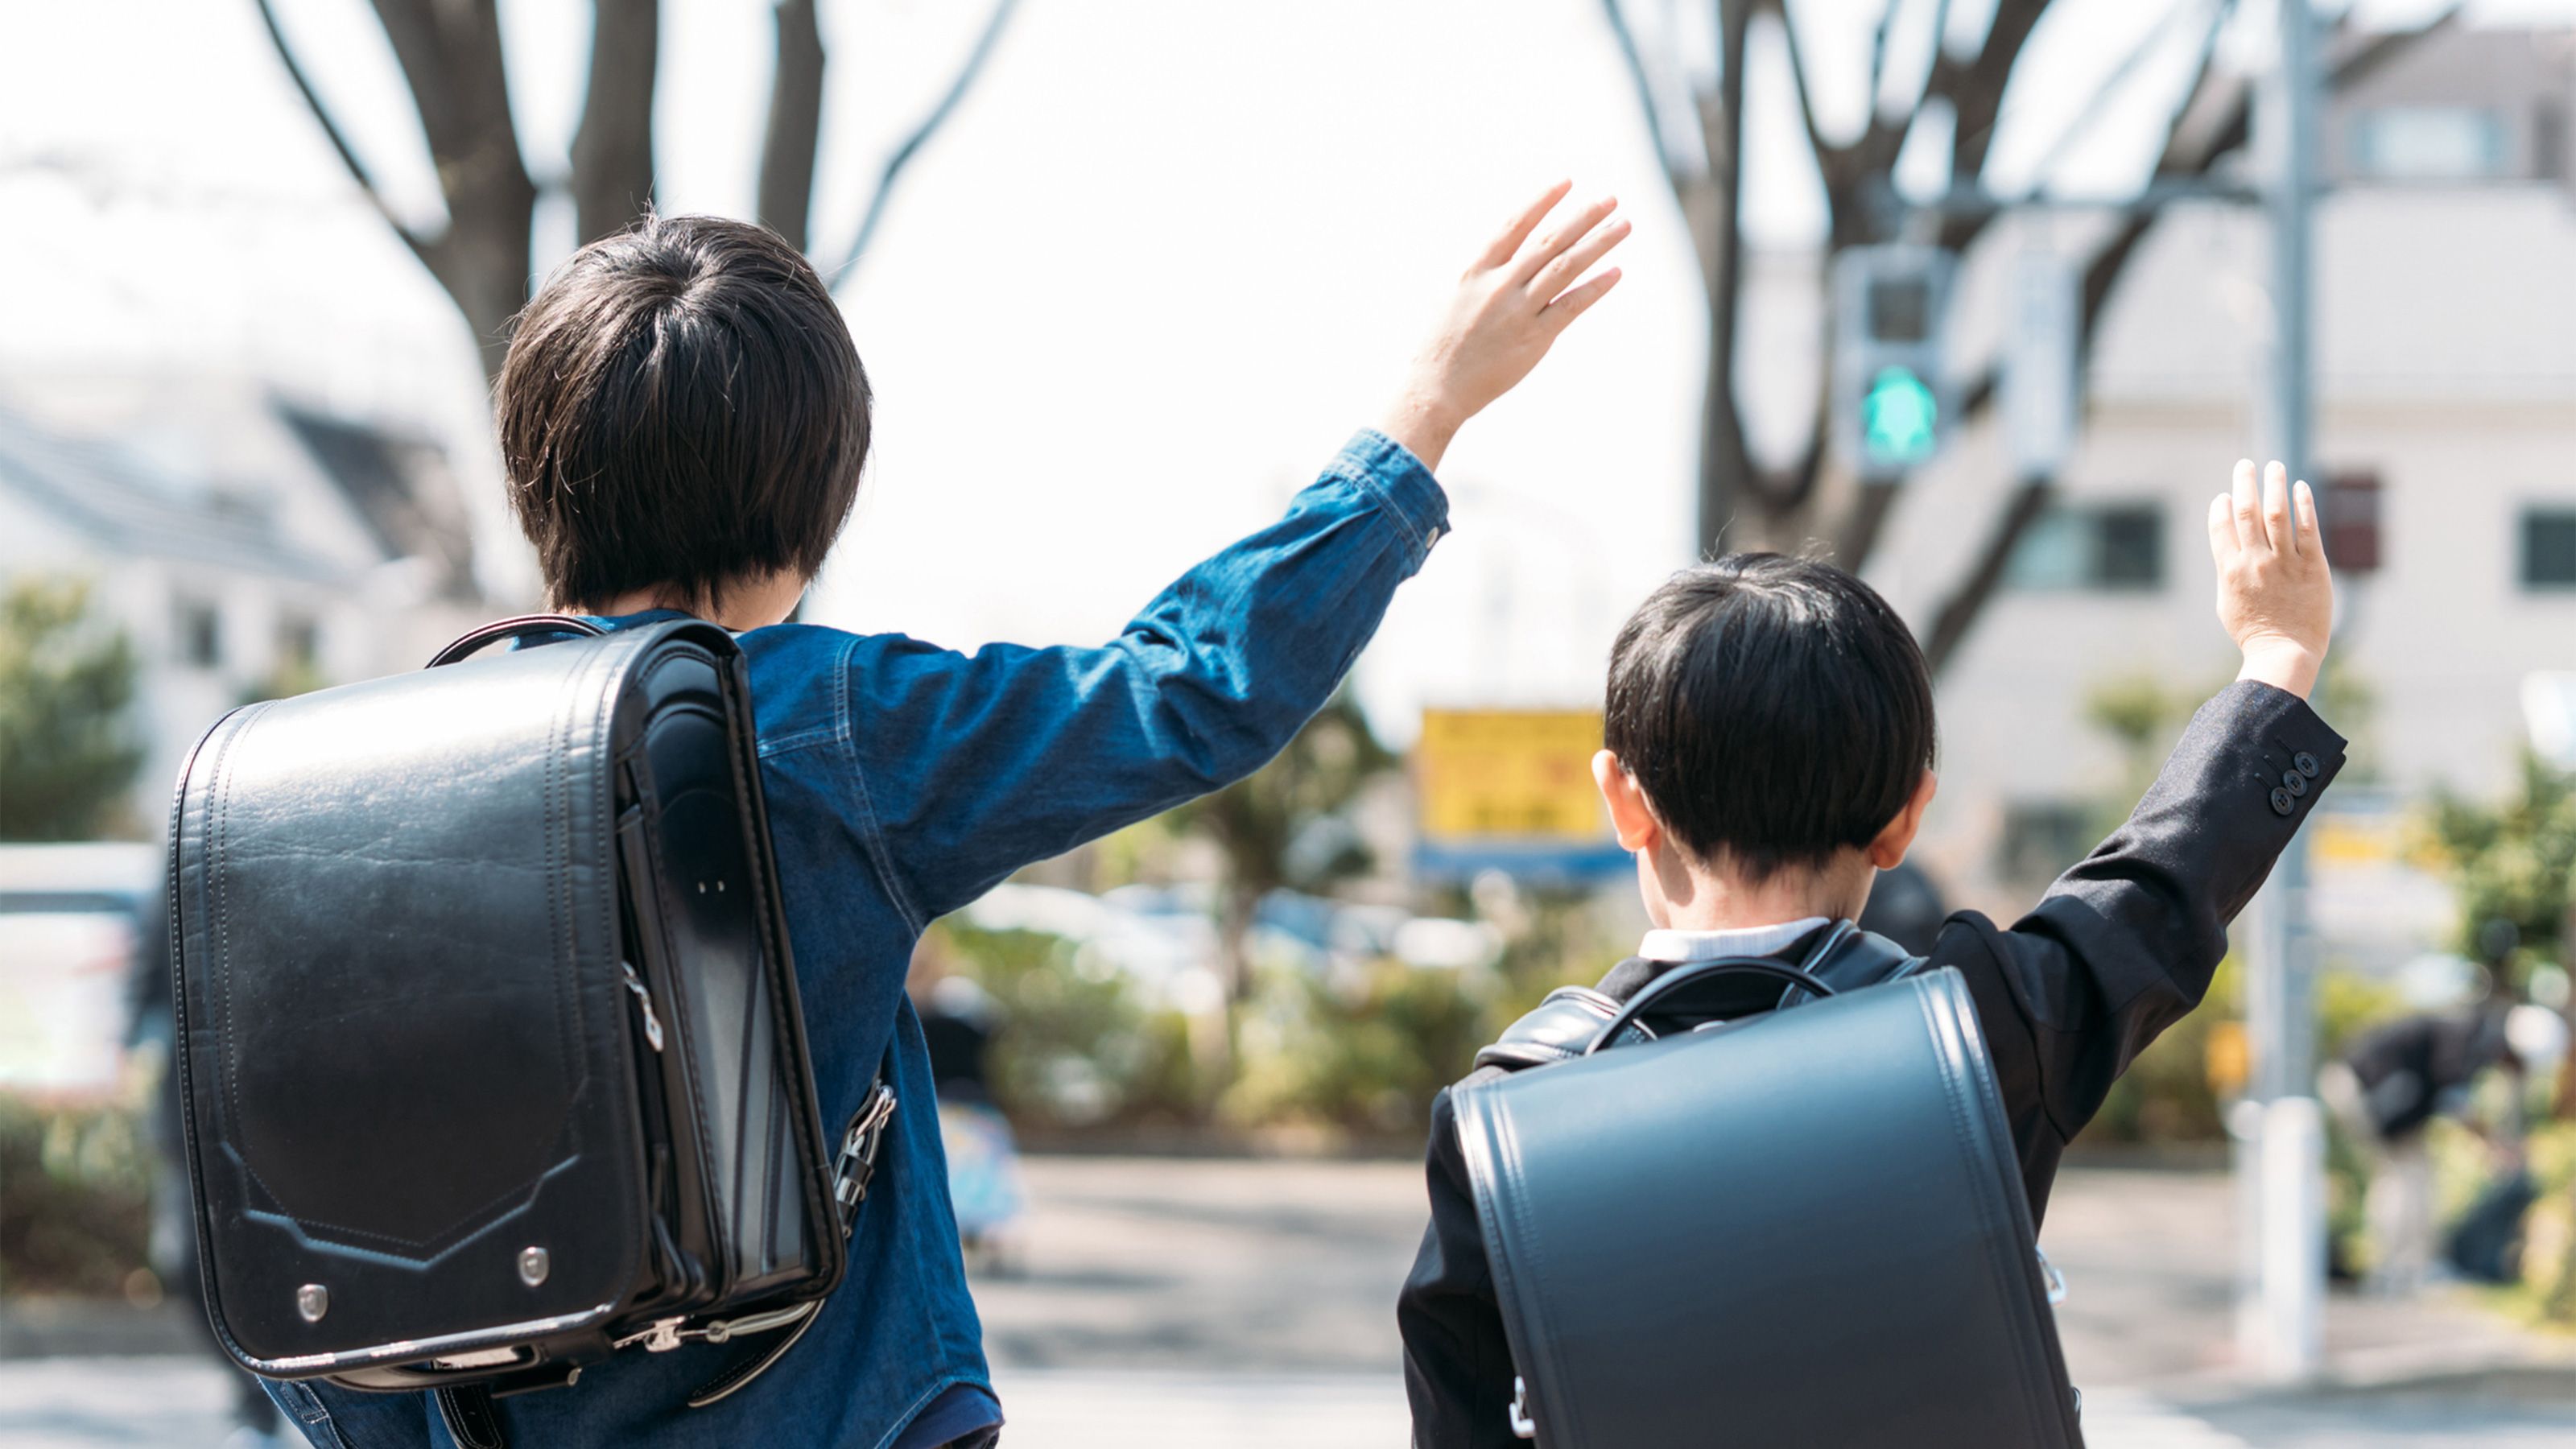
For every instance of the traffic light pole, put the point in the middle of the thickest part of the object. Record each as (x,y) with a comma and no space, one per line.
(2281,1131)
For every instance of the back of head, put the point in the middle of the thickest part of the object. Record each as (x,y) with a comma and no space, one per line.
(1774,710)
(682,408)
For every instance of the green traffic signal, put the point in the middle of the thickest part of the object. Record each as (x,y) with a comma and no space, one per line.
(1899,419)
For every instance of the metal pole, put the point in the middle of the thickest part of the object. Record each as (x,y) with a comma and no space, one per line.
(2284,1334)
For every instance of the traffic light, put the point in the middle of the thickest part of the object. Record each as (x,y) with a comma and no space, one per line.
(1891,308)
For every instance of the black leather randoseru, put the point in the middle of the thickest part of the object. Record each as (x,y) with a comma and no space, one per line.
(1800,1227)
(491,1052)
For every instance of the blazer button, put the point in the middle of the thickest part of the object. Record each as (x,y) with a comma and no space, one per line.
(2282,804)
(2294,782)
(2307,764)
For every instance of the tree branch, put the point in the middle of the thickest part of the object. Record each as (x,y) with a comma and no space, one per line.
(1959,612)
(786,196)
(911,145)
(420,246)
(2121,75)
(1878,52)
(1975,91)
(1816,141)
(450,52)
(1674,167)
(612,152)
(2187,154)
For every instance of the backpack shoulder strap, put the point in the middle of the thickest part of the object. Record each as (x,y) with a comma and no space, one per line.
(1555,1030)
(1558,1028)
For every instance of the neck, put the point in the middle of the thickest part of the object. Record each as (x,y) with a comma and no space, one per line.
(1694,898)
(740,612)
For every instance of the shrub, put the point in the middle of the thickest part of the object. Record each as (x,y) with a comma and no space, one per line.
(75,1197)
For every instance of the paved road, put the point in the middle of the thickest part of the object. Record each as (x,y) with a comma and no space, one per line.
(1246,1304)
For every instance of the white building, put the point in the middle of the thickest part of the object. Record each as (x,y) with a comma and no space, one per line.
(246,545)
(2445,298)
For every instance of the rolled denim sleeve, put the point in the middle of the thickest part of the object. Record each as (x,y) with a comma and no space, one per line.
(972,766)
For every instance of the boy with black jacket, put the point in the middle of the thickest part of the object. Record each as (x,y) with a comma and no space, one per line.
(1768,750)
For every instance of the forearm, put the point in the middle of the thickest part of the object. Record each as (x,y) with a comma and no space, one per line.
(2290,668)
(978,766)
(1227,664)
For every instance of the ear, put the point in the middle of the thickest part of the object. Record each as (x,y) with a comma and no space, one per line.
(1631,818)
(1888,850)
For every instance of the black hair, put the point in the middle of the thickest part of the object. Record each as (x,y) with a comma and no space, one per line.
(682,408)
(1773,709)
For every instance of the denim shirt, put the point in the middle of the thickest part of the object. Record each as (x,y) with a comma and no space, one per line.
(903,781)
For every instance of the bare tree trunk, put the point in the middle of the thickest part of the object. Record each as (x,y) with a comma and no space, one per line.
(612,153)
(1713,202)
(787,149)
(450,52)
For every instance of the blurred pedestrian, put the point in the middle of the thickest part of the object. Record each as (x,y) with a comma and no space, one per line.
(959,1021)
(2386,1089)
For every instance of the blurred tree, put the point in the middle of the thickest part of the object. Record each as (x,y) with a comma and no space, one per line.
(1283,827)
(453,64)
(2511,863)
(1749,502)
(66,757)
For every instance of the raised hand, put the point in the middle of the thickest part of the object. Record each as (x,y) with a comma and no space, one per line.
(1507,311)
(2275,592)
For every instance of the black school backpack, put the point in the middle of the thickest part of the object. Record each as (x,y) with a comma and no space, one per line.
(1768,1205)
(490,1048)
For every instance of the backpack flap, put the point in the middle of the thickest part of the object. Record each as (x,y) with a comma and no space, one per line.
(405,1034)
(1806,1229)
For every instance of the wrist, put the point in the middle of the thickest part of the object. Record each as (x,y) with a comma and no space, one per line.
(2284,664)
(1424,425)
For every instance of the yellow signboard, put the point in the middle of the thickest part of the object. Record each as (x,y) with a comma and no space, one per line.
(1510,774)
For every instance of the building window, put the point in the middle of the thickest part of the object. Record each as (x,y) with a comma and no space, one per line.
(2350,516)
(2428,143)
(2117,547)
(299,643)
(2042,838)
(201,634)
(2549,548)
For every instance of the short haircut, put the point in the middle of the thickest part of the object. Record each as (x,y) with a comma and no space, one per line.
(682,408)
(1773,710)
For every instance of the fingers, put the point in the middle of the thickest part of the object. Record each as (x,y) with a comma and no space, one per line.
(1557,275)
(2222,530)
(2312,540)
(1554,242)
(1573,304)
(2276,508)
(1508,245)
(2249,522)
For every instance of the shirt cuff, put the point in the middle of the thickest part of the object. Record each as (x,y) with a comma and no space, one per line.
(1388,472)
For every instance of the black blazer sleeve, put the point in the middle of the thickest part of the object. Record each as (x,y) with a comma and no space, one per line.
(1457,1362)
(2124,944)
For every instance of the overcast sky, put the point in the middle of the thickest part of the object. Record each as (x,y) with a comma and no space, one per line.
(1168,255)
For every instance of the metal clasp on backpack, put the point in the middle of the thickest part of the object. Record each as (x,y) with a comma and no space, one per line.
(1523,1426)
(857,1161)
(662,1337)
(2049,1275)
(652,1022)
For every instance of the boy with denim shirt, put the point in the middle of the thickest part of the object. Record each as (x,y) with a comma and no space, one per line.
(1769,750)
(684,419)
